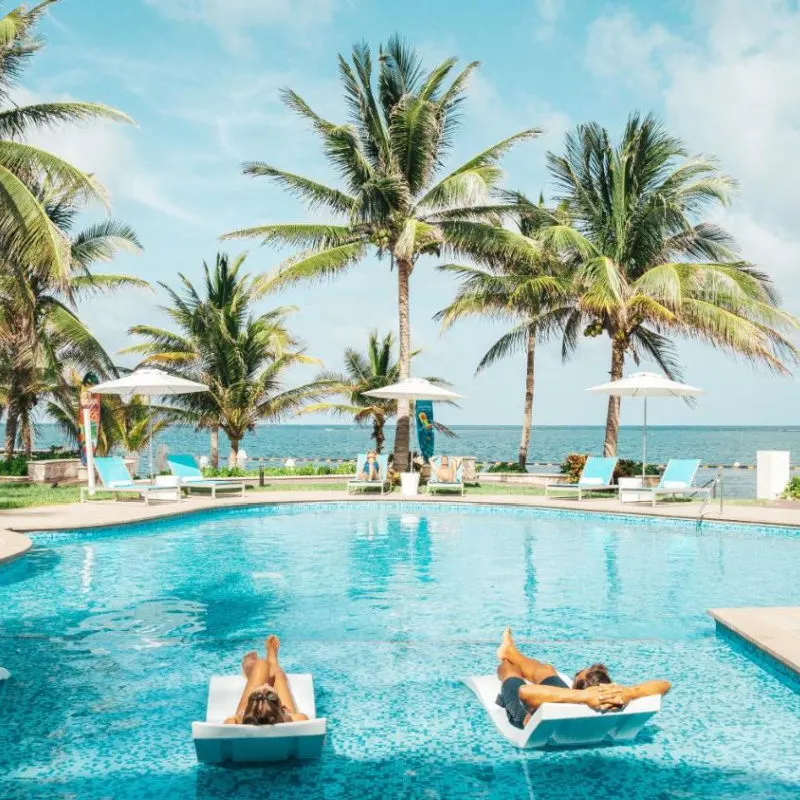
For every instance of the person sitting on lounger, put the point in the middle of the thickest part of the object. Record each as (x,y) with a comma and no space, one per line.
(527,683)
(371,470)
(446,473)
(267,698)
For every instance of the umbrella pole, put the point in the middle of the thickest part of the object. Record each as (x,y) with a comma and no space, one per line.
(644,441)
(150,425)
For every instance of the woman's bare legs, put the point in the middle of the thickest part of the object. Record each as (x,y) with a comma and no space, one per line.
(257,672)
(279,680)
(520,665)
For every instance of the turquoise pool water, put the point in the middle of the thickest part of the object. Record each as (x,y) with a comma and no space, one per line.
(111,636)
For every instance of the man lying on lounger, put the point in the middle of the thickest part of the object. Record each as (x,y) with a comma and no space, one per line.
(267,698)
(527,683)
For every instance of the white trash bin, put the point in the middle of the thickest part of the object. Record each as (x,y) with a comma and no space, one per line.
(409,484)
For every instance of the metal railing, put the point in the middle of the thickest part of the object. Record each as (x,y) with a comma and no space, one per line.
(716,486)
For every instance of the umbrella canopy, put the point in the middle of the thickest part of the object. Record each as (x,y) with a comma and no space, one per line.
(414,389)
(646,384)
(147,382)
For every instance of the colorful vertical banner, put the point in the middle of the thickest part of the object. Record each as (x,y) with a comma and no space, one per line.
(423,411)
(90,402)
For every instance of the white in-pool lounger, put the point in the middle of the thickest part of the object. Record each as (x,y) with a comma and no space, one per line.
(217,743)
(565,724)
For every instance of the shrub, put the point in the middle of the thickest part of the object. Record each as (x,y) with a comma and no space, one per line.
(15,466)
(573,465)
(792,490)
(224,472)
(627,468)
(507,466)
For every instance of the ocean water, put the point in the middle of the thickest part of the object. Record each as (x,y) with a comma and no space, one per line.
(549,445)
(111,636)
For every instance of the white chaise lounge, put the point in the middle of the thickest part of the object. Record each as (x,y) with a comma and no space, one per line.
(565,724)
(217,743)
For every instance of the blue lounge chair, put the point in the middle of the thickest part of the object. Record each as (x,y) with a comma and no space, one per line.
(596,477)
(434,484)
(678,479)
(115,478)
(360,482)
(190,476)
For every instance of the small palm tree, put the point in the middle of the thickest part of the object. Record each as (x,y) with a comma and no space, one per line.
(240,355)
(396,199)
(26,229)
(646,264)
(532,294)
(364,372)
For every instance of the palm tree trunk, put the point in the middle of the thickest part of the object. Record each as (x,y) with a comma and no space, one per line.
(215,446)
(12,422)
(527,420)
(377,434)
(234,451)
(403,429)
(27,434)
(618,347)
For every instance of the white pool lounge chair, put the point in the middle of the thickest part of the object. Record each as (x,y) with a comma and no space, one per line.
(435,485)
(565,724)
(190,476)
(678,479)
(216,743)
(115,478)
(382,483)
(596,477)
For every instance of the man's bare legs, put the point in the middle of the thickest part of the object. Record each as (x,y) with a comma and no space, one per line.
(514,664)
(257,672)
(279,679)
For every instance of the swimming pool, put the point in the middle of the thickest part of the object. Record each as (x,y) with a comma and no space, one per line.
(111,636)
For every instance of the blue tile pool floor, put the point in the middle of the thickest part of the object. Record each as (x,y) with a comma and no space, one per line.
(111,637)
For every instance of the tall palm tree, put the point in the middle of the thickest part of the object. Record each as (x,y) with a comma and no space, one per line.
(532,294)
(41,335)
(242,356)
(364,372)
(26,230)
(396,200)
(647,264)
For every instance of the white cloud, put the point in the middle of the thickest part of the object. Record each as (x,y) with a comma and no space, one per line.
(235,20)
(548,13)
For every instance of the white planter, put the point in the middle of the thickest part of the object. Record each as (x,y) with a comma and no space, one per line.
(773,468)
(409,484)
(627,493)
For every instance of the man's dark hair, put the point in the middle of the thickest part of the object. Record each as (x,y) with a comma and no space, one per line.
(592,676)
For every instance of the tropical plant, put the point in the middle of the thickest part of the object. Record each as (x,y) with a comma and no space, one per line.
(364,372)
(531,293)
(28,234)
(647,265)
(41,335)
(241,355)
(396,199)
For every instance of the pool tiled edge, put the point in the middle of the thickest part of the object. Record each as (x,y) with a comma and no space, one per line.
(768,636)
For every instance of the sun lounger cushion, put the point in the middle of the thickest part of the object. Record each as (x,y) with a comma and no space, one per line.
(565,724)
(216,742)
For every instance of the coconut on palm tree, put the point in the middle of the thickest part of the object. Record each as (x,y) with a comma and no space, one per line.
(395,199)
(41,335)
(647,264)
(221,341)
(27,232)
(532,294)
(374,369)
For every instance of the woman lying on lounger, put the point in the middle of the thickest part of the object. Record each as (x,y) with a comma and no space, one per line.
(527,683)
(371,470)
(267,698)
(446,473)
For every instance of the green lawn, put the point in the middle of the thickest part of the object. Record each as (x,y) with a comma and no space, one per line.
(25,495)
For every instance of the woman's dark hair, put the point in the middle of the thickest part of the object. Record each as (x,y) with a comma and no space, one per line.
(263,708)
(592,676)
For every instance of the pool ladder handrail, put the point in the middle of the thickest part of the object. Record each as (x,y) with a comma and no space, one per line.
(715,484)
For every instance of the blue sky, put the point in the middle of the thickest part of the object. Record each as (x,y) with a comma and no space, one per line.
(201,79)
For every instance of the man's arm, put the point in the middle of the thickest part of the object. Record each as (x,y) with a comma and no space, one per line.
(646,689)
(600,698)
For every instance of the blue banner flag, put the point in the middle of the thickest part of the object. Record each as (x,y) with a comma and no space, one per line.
(423,411)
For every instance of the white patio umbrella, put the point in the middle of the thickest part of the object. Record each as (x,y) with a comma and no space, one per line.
(646,384)
(414,389)
(147,382)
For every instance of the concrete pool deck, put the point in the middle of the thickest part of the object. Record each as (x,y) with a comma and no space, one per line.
(775,631)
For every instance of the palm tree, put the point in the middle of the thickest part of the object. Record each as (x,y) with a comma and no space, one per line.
(41,336)
(240,355)
(26,230)
(363,372)
(533,295)
(396,199)
(647,266)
